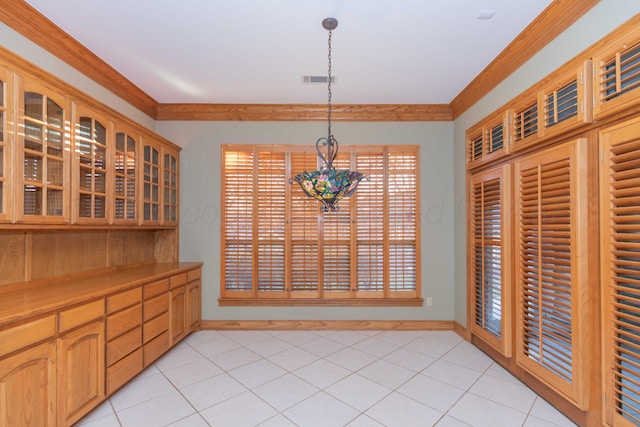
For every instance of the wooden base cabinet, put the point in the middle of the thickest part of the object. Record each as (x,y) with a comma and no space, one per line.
(28,387)
(81,372)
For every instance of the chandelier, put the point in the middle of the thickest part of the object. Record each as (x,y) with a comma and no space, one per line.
(328,185)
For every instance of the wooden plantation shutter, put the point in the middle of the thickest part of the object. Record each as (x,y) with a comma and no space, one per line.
(402,211)
(551,272)
(490,260)
(237,220)
(276,244)
(271,183)
(620,210)
(371,202)
(305,231)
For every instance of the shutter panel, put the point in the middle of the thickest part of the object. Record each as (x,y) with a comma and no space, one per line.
(272,181)
(403,205)
(525,123)
(304,231)
(621,273)
(620,74)
(370,203)
(496,138)
(336,230)
(562,104)
(490,269)
(238,181)
(551,279)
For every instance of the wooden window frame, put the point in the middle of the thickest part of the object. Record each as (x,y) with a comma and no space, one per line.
(621,101)
(576,390)
(6,144)
(349,292)
(503,175)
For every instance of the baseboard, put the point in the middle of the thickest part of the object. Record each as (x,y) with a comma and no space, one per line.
(461,330)
(395,325)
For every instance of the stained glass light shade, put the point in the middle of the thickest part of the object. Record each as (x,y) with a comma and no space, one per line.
(328,185)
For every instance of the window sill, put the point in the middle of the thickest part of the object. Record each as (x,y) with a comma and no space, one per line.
(360,302)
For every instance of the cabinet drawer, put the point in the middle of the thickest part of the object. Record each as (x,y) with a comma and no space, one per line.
(155,348)
(26,334)
(80,315)
(121,322)
(155,288)
(122,371)
(178,280)
(123,345)
(123,300)
(156,326)
(154,307)
(194,274)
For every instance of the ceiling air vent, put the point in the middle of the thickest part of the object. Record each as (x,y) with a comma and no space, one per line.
(317,79)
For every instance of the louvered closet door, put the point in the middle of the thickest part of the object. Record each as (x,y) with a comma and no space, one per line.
(551,268)
(490,257)
(620,213)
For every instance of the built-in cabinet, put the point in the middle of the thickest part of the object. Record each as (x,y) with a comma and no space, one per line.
(553,232)
(56,367)
(91,290)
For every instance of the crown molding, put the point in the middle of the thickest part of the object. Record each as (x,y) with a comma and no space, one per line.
(305,112)
(555,19)
(23,18)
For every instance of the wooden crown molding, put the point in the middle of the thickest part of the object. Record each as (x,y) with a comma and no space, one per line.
(27,21)
(555,19)
(305,112)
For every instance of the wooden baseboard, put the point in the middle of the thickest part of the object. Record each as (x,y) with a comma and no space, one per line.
(462,331)
(385,325)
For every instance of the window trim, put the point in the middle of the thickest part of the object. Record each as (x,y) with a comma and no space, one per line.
(318,296)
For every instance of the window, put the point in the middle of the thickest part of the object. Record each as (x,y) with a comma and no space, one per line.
(91,151)
(125,177)
(621,273)
(551,272)
(526,123)
(277,245)
(490,262)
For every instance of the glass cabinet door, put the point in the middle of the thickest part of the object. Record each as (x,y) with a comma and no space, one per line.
(151,184)
(170,187)
(45,154)
(126,161)
(5,157)
(91,136)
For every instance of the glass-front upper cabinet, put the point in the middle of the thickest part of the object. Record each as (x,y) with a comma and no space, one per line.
(125,177)
(169,187)
(91,170)
(150,183)
(5,146)
(42,195)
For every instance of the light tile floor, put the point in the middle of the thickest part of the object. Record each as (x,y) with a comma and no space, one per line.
(324,379)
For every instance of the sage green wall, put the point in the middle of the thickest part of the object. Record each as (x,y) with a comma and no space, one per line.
(200,207)
(595,24)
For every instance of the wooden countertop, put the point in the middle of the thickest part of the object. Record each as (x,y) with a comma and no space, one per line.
(20,300)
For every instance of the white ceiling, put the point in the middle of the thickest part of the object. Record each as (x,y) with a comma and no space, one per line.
(256,51)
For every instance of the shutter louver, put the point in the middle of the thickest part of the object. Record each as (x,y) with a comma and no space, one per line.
(496,138)
(489,274)
(549,286)
(402,197)
(620,74)
(370,199)
(487,224)
(238,220)
(304,229)
(526,123)
(622,278)
(562,104)
(272,181)
(475,148)
(336,236)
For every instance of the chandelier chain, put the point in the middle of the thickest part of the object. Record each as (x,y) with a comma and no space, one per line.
(329,84)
